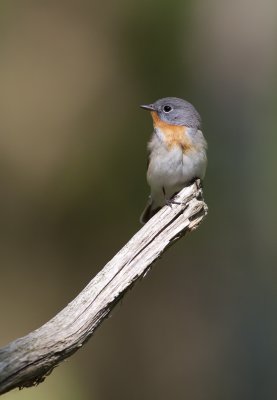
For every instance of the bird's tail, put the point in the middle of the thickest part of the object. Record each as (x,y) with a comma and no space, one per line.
(149,211)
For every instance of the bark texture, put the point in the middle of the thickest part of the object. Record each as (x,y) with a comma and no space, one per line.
(29,359)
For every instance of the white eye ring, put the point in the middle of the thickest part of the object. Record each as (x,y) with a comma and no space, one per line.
(167,109)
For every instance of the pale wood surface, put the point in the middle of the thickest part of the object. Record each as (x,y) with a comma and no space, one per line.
(28,360)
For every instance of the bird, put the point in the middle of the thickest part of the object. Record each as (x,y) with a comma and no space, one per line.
(177,151)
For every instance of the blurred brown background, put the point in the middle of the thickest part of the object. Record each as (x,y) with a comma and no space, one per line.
(202,325)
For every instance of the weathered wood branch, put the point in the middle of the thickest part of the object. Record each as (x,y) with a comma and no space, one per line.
(28,360)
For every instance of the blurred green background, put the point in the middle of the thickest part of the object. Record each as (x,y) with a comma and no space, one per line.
(202,325)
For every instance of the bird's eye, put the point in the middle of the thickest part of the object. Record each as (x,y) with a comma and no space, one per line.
(167,109)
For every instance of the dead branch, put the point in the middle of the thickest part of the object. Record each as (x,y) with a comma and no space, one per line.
(28,360)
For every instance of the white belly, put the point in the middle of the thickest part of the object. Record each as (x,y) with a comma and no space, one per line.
(171,170)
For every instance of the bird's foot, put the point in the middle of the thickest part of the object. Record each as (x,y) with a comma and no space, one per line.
(171,201)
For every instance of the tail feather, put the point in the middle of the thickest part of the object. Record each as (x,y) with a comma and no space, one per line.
(148,212)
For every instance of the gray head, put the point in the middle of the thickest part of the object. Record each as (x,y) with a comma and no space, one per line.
(175,111)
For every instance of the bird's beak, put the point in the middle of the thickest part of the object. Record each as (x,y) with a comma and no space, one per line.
(148,107)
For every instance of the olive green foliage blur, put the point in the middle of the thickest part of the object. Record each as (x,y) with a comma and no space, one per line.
(202,325)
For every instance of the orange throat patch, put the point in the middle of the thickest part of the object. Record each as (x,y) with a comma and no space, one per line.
(175,135)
